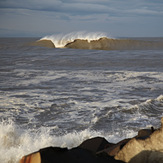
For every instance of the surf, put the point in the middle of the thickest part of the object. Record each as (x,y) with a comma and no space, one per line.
(17,142)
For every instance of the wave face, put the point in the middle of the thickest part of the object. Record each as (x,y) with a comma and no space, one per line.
(99,41)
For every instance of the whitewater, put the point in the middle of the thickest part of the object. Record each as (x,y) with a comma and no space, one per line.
(62,96)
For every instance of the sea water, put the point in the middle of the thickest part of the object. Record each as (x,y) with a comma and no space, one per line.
(61,97)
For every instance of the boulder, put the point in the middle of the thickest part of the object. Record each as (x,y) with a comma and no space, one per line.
(31,158)
(75,155)
(113,149)
(144,133)
(95,144)
(134,148)
(148,157)
(64,155)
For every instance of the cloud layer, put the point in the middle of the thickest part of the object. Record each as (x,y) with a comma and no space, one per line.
(52,16)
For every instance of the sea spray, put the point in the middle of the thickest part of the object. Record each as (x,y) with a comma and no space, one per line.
(17,142)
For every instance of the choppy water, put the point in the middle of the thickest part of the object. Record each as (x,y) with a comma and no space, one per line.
(60,97)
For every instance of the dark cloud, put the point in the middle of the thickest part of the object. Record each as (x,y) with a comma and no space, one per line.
(67,15)
(32,4)
(118,7)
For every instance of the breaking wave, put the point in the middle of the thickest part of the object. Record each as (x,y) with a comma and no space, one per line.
(61,40)
(17,142)
(97,40)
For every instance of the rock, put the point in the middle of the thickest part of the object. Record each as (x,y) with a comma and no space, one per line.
(113,149)
(148,157)
(95,144)
(75,155)
(32,158)
(63,155)
(135,146)
(144,133)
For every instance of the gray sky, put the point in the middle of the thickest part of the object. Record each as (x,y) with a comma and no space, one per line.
(118,18)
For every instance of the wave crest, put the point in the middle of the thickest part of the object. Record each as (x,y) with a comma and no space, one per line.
(61,40)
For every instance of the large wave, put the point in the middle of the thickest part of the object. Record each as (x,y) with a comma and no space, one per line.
(61,40)
(97,40)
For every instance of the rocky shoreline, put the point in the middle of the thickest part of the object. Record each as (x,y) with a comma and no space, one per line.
(146,147)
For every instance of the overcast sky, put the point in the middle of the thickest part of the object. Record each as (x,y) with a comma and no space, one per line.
(118,18)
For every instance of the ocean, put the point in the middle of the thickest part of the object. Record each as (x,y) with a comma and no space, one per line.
(62,96)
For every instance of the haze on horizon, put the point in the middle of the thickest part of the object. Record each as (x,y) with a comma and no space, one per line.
(117,18)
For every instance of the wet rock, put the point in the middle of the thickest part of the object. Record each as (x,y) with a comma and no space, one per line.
(113,149)
(95,144)
(31,158)
(148,157)
(75,155)
(144,133)
(154,142)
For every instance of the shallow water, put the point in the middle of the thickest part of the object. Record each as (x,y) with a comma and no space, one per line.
(60,97)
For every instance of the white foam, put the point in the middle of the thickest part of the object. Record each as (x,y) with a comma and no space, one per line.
(61,40)
(160,98)
(17,142)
